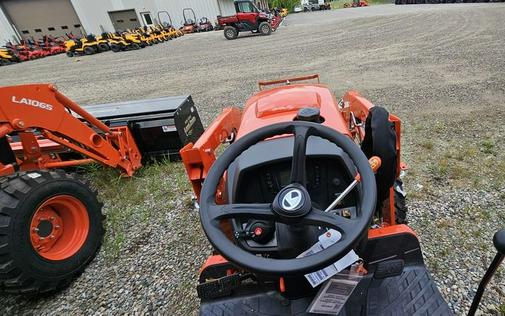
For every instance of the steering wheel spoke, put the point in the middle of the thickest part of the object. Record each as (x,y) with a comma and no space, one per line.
(323,219)
(257,211)
(298,173)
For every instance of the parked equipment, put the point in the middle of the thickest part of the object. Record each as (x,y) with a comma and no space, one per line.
(76,46)
(204,25)
(248,18)
(51,220)
(442,1)
(189,21)
(168,25)
(7,57)
(356,4)
(315,5)
(309,183)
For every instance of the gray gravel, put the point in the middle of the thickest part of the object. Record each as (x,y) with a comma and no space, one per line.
(440,68)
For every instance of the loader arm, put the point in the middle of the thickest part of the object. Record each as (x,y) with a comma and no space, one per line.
(39,115)
(199,157)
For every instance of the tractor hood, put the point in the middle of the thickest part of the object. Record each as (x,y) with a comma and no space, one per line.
(282,104)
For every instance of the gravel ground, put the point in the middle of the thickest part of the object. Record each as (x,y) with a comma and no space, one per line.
(438,67)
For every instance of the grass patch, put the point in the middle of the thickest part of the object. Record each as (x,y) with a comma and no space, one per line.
(131,201)
(427,144)
(488,147)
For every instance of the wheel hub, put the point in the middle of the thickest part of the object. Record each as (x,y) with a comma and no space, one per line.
(59,227)
(46,229)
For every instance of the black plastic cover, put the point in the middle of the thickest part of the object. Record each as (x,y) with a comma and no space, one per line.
(161,127)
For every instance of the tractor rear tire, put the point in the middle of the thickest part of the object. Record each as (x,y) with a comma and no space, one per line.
(50,230)
(70,54)
(89,50)
(400,203)
(265,28)
(230,32)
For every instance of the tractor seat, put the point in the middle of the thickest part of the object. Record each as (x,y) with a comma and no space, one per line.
(413,292)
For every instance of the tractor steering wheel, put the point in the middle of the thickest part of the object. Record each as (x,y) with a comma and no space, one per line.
(292,205)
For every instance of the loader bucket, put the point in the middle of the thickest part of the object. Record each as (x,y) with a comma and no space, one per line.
(161,127)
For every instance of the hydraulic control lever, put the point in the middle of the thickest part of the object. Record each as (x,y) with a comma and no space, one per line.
(499,244)
(375,163)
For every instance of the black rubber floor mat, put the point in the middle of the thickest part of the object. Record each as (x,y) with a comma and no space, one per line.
(411,293)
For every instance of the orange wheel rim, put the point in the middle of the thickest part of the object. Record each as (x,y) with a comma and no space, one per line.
(59,227)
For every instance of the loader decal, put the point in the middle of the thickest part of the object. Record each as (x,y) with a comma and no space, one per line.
(35,103)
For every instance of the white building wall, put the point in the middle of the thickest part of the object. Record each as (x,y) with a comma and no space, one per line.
(95,18)
(7,33)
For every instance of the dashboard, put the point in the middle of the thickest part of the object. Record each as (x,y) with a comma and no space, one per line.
(260,172)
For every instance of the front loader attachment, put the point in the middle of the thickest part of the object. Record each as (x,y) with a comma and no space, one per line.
(160,127)
(40,128)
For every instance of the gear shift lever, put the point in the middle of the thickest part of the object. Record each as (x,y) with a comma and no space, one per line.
(499,244)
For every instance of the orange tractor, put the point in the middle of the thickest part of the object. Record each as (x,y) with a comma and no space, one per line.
(306,212)
(50,219)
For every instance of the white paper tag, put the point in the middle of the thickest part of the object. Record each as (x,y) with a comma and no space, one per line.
(34,175)
(346,261)
(318,277)
(329,238)
(334,294)
(325,240)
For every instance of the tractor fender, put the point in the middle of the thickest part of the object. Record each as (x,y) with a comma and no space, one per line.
(380,140)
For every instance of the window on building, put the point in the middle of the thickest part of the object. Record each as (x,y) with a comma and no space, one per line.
(50,28)
(77,25)
(133,20)
(147,18)
(25,32)
(64,27)
(38,31)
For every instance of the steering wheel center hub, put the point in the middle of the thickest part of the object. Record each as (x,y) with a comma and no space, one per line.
(292,201)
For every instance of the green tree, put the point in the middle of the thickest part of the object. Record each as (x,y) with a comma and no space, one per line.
(288,4)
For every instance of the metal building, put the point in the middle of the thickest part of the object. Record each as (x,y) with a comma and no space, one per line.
(21,19)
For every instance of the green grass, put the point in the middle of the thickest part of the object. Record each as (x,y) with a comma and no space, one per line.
(135,200)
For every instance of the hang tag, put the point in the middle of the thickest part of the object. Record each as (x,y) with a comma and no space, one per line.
(334,293)
(329,238)
(325,240)
(318,277)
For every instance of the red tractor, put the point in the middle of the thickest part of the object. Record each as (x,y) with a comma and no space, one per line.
(306,212)
(248,18)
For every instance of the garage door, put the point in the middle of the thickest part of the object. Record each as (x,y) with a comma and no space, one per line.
(34,18)
(123,20)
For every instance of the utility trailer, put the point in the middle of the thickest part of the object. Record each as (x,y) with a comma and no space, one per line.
(50,219)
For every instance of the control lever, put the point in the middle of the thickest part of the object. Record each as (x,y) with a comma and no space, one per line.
(499,244)
(375,163)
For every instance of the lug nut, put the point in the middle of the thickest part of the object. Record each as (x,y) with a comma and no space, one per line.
(52,218)
(35,229)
